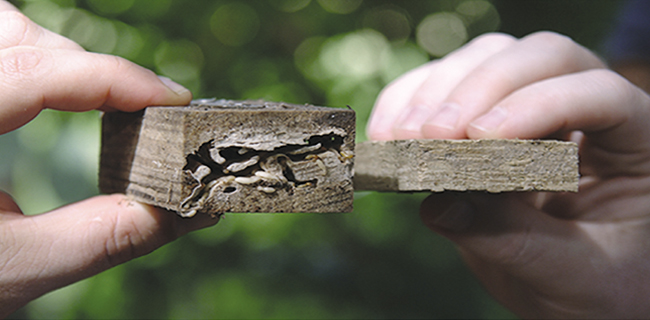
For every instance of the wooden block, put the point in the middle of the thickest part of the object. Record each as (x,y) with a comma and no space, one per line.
(461,165)
(218,156)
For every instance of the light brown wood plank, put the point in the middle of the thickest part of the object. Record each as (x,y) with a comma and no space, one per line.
(462,165)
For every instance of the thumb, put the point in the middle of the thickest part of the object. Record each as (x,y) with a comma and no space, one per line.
(503,229)
(48,251)
(514,248)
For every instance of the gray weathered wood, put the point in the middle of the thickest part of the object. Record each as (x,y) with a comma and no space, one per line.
(218,156)
(461,165)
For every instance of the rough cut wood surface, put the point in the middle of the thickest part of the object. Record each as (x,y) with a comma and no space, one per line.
(218,156)
(460,165)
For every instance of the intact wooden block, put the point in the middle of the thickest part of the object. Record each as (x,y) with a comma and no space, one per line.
(217,156)
(461,165)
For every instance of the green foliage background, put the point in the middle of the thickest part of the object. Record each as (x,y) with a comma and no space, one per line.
(377,262)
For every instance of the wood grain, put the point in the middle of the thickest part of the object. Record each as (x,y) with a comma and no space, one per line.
(462,165)
(217,156)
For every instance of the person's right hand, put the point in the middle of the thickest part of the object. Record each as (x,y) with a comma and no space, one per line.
(40,253)
(40,69)
(542,255)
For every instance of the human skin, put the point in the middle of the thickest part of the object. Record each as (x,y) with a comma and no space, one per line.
(38,254)
(542,255)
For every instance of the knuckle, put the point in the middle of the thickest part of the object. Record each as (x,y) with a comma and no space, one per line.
(15,26)
(610,74)
(560,45)
(572,55)
(121,241)
(549,39)
(20,63)
(119,65)
(127,237)
(494,39)
(102,62)
(624,89)
(608,78)
(493,76)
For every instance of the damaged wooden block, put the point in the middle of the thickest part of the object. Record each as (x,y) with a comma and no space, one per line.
(461,165)
(217,156)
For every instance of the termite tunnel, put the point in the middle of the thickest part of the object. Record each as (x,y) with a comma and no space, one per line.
(244,162)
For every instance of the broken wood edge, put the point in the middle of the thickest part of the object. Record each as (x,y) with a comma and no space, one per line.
(146,155)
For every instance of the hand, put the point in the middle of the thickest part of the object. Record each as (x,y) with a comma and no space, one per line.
(39,69)
(540,254)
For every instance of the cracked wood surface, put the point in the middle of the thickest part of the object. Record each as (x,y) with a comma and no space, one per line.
(218,156)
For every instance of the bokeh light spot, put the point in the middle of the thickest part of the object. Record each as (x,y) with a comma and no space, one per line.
(92,32)
(110,6)
(391,23)
(48,15)
(130,41)
(441,33)
(474,8)
(56,304)
(79,145)
(306,58)
(42,133)
(150,9)
(33,189)
(340,6)
(289,5)
(180,60)
(402,59)
(479,15)
(357,54)
(234,24)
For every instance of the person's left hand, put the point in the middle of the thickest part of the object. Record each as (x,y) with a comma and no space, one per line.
(40,69)
(542,255)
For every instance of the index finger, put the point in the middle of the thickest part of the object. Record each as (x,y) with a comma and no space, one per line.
(405,104)
(612,113)
(534,58)
(33,78)
(6,6)
(18,30)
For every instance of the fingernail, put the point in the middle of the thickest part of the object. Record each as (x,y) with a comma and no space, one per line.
(490,121)
(446,117)
(414,118)
(457,217)
(173,86)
